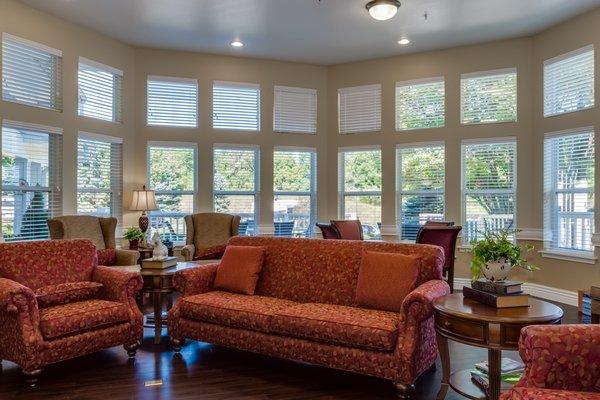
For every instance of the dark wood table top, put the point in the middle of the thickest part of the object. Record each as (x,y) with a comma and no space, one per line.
(167,271)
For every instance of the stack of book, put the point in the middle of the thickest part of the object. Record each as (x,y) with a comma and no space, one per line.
(497,294)
(510,372)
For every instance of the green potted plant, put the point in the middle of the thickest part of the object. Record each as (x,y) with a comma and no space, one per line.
(134,235)
(495,255)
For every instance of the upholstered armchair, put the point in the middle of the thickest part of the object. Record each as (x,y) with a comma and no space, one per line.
(101,231)
(561,362)
(207,235)
(56,303)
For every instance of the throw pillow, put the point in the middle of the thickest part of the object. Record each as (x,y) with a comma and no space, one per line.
(64,293)
(239,269)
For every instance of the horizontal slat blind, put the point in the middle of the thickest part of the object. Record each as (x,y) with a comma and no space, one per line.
(359,109)
(489,187)
(236,106)
(172,101)
(489,97)
(31,73)
(569,191)
(421,180)
(295,110)
(420,104)
(31,179)
(100,91)
(569,82)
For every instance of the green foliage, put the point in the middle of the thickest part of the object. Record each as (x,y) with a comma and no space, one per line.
(133,233)
(362,172)
(8,161)
(416,108)
(171,169)
(291,172)
(92,174)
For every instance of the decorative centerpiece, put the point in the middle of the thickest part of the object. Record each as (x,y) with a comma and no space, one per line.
(160,255)
(134,235)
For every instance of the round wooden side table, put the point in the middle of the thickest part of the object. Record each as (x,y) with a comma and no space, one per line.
(469,322)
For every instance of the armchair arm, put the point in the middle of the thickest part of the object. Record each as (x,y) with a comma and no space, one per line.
(188,251)
(561,357)
(127,257)
(118,285)
(15,298)
(195,280)
(418,303)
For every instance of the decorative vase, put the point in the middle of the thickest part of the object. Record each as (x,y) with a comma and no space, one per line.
(496,271)
(134,244)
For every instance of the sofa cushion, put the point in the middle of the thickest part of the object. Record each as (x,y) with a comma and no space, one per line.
(231,309)
(385,279)
(526,393)
(64,293)
(81,316)
(107,257)
(239,269)
(340,325)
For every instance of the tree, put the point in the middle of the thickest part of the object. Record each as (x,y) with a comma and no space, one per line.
(233,171)
(171,169)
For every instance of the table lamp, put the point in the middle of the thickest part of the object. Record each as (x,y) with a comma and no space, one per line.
(143,200)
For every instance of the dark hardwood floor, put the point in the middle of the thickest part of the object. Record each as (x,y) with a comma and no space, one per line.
(207,372)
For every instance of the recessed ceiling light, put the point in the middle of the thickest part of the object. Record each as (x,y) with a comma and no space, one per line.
(383,10)
(237,43)
(403,41)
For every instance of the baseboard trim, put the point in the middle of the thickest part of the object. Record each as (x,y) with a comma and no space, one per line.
(541,291)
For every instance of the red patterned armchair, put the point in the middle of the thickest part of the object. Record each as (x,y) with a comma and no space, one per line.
(561,362)
(56,303)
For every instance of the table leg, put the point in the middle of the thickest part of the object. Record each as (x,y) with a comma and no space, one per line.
(157,317)
(442,343)
(494,365)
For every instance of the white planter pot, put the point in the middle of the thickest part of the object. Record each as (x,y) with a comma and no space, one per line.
(495,271)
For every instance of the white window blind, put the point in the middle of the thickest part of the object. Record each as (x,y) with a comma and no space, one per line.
(100,176)
(294,189)
(569,190)
(359,109)
(236,106)
(295,110)
(569,82)
(172,101)
(172,174)
(489,97)
(421,180)
(489,184)
(360,188)
(31,180)
(100,91)
(31,73)
(236,184)
(420,104)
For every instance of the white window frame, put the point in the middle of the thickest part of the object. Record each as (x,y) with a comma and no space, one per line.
(174,79)
(417,82)
(494,72)
(117,98)
(243,85)
(358,89)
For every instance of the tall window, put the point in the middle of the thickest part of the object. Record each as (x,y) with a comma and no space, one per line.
(295,110)
(172,173)
(31,73)
(236,184)
(569,190)
(172,101)
(99,175)
(100,91)
(236,106)
(360,188)
(489,96)
(31,179)
(489,186)
(294,188)
(359,109)
(420,104)
(569,82)
(421,172)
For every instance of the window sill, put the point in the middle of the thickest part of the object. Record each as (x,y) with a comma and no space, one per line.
(574,256)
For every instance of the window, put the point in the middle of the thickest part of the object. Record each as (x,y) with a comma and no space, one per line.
(99,176)
(295,110)
(100,91)
(421,180)
(360,188)
(172,101)
(31,179)
(489,97)
(359,109)
(420,104)
(488,186)
(294,189)
(236,184)
(31,73)
(236,106)
(569,82)
(172,174)
(569,190)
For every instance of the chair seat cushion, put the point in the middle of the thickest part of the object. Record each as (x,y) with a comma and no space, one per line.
(74,318)
(231,309)
(340,325)
(107,257)
(64,293)
(526,393)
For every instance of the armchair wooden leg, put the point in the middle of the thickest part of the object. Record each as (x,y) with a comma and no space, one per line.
(404,391)
(177,344)
(32,377)
(131,349)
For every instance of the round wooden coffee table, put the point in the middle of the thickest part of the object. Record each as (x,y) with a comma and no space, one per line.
(496,329)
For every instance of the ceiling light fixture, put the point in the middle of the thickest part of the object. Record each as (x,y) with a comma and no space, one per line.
(237,43)
(403,41)
(383,10)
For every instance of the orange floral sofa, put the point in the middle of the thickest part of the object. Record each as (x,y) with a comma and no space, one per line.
(303,309)
(56,303)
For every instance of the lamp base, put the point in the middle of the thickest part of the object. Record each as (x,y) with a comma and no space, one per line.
(143,222)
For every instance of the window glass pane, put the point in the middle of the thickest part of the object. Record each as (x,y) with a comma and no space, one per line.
(359,109)
(362,170)
(295,110)
(292,171)
(99,93)
(420,104)
(489,97)
(172,102)
(236,106)
(367,209)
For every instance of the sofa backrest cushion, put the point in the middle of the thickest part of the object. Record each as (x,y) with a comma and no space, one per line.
(326,271)
(48,262)
(78,227)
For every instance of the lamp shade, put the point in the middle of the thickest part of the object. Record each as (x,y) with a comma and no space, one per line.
(143,200)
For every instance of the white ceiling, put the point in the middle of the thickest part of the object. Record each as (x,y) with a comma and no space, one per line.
(325,32)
